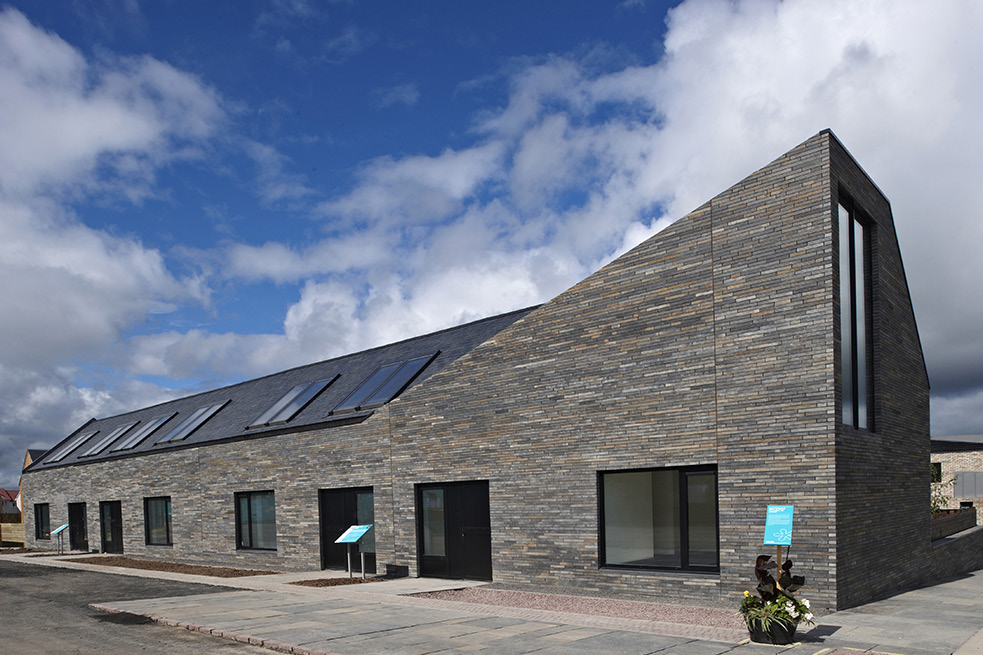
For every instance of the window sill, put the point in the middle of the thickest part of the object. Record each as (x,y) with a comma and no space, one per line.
(672,573)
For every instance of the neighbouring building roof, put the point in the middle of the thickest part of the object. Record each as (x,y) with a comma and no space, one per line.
(337,391)
(957,443)
(9,494)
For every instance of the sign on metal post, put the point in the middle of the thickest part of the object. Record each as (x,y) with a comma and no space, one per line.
(778,533)
(352,536)
(778,525)
(61,537)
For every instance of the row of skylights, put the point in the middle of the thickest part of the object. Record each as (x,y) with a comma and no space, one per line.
(73,444)
(192,423)
(291,403)
(108,439)
(145,431)
(383,385)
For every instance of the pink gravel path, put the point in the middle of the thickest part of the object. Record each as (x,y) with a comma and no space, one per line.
(626,609)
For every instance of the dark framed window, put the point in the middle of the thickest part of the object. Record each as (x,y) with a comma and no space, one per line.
(936,471)
(255,520)
(157,521)
(659,519)
(42,521)
(855,295)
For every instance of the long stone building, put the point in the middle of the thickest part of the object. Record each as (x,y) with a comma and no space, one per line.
(627,435)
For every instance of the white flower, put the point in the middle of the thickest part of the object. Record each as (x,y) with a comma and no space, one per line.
(808,616)
(805,601)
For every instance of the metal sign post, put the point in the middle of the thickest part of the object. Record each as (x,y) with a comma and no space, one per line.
(60,531)
(352,536)
(778,533)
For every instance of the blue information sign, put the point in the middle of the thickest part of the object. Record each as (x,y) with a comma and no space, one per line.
(778,525)
(59,529)
(353,534)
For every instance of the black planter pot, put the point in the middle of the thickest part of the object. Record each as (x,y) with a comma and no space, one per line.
(778,633)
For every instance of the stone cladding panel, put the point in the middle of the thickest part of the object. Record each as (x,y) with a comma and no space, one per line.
(882,482)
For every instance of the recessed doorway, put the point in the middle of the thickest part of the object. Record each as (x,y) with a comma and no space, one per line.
(454,530)
(339,510)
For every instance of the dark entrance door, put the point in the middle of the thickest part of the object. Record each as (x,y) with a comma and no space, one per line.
(339,510)
(78,536)
(111,526)
(454,530)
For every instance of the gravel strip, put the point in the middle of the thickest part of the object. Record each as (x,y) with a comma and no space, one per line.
(170,567)
(625,609)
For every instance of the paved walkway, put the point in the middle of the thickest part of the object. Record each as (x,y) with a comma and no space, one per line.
(381,618)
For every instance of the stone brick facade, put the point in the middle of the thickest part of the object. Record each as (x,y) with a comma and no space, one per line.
(713,343)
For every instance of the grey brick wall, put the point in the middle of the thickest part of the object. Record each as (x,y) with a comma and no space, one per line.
(715,342)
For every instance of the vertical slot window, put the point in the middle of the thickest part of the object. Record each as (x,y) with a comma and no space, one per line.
(854,327)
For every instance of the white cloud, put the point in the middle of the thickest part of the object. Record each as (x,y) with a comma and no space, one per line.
(63,117)
(401,94)
(577,165)
(417,189)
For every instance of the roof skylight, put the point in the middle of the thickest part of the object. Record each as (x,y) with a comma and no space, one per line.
(145,431)
(291,403)
(73,444)
(192,423)
(384,384)
(108,439)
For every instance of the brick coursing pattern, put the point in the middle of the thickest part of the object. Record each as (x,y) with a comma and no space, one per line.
(714,342)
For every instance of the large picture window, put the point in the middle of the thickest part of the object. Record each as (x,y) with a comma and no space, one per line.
(854,312)
(660,519)
(255,520)
(42,522)
(157,520)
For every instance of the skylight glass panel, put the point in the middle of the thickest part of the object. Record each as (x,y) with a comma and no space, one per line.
(278,406)
(75,443)
(143,432)
(397,382)
(108,439)
(292,402)
(301,401)
(192,423)
(373,382)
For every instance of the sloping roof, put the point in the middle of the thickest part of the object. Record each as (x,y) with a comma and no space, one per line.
(242,404)
(957,443)
(9,494)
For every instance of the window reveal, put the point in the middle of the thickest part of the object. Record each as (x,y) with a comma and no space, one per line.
(660,519)
(854,313)
(255,520)
(157,521)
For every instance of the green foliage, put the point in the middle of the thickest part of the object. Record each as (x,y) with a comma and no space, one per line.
(941,492)
(775,601)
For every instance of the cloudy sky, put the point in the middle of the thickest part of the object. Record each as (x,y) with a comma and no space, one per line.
(193,194)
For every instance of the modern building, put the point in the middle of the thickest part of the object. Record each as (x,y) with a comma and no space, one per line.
(627,435)
(957,463)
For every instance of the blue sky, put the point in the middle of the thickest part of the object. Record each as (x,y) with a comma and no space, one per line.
(193,194)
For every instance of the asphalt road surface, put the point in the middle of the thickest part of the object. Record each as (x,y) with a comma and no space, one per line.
(44,611)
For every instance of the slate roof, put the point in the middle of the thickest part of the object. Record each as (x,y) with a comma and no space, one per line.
(246,401)
(957,443)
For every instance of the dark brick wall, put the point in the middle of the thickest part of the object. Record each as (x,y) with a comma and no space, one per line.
(715,342)
(882,479)
(202,483)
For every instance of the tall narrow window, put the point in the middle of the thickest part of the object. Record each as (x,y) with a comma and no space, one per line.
(42,522)
(157,521)
(660,519)
(255,520)
(854,332)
